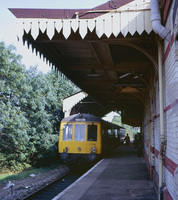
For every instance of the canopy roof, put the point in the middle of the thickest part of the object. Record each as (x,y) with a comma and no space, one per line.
(111,56)
(130,18)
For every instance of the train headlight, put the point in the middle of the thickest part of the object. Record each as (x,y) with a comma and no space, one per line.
(93,149)
(79,148)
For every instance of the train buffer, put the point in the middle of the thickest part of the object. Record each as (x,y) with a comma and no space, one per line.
(122,176)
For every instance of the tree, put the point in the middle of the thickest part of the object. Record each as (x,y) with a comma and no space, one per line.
(60,88)
(30,112)
(44,112)
(13,123)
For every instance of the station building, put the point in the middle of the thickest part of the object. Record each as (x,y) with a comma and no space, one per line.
(124,56)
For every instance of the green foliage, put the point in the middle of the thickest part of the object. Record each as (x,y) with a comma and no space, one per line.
(30,112)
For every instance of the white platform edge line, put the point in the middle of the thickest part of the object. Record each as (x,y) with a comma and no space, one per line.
(72,185)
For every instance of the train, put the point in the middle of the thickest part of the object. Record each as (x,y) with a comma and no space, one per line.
(87,136)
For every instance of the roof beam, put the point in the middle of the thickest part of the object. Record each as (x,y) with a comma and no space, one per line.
(109,53)
(124,66)
(95,54)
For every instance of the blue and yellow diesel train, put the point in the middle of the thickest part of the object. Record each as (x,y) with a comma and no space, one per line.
(87,136)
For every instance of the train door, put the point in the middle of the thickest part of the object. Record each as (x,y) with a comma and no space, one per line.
(94,138)
(92,133)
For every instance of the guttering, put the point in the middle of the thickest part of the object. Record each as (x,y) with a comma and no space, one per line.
(158,28)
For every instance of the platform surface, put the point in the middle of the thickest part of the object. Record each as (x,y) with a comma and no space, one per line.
(123,176)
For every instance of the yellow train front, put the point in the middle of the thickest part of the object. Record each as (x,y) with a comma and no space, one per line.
(87,136)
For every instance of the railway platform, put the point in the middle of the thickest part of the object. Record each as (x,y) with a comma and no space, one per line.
(122,176)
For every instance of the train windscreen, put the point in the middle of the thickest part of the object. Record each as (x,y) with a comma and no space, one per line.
(79,132)
(67,132)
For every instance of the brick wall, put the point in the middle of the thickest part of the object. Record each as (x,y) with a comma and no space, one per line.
(170,70)
(165,6)
(170,61)
(171,103)
(167,195)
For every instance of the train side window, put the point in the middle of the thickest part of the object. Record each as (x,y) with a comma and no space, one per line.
(92,133)
(67,132)
(109,131)
(116,132)
(79,132)
(103,132)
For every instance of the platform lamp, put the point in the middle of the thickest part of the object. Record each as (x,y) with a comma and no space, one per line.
(93,73)
(173,95)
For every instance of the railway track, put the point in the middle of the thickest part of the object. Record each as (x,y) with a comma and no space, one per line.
(53,189)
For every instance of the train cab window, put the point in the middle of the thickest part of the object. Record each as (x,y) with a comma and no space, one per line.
(113,133)
(103,132)
(79,132)
(109,132)
(116,133)
(67,132)
(92,133)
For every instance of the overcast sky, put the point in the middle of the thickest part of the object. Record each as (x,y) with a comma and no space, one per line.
(8,23)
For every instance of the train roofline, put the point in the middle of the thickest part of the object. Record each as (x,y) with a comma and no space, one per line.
(83,117)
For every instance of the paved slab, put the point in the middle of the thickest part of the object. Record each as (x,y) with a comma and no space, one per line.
(123,176)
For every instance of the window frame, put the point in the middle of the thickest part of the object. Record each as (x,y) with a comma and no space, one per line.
(71,132)
(90,139)
(83,139)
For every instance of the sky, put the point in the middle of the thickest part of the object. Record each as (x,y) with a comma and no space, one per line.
(8,24)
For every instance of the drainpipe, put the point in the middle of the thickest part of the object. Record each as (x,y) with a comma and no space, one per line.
(149,135)
(162,136)
(163,32)
(166,35)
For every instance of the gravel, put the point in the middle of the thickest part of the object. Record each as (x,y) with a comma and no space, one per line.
(19,189)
